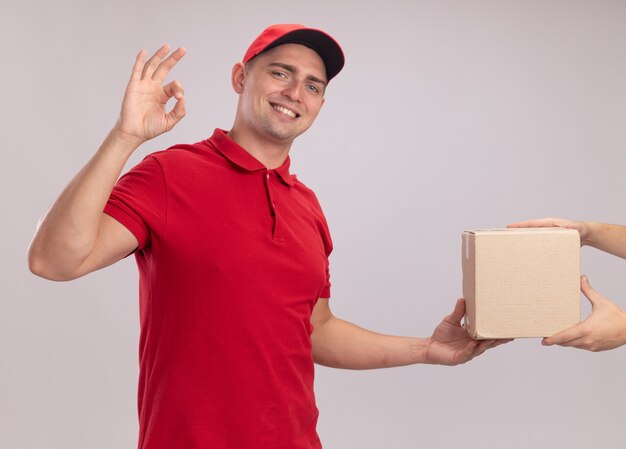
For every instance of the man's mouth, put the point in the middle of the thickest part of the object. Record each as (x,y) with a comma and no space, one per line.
(287,112)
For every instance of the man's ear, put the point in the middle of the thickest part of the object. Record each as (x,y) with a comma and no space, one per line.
(238,76)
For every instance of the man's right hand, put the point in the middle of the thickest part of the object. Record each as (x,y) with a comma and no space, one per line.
(75,237)
(143,115)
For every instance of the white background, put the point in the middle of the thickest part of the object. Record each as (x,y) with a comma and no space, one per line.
(449,115)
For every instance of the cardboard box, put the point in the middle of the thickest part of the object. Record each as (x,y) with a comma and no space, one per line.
(521,282)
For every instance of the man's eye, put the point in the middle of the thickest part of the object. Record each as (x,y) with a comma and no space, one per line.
(279,74)
(313,88)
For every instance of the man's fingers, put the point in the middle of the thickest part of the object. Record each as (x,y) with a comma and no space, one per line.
(483,346)
(138,66)
(152,63)
(177,113)
(488,344)
(174,89)
(478,347)
(458,312)
(165,66)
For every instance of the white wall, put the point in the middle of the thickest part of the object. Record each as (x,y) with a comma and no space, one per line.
(449,115)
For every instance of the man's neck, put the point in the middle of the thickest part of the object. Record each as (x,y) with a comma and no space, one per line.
(270,154)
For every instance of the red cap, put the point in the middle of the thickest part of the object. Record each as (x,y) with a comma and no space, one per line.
(324,45)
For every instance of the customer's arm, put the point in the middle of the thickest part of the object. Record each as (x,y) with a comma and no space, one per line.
(605,327)
(610,238)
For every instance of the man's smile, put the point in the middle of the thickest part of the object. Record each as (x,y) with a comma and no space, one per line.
(285,111)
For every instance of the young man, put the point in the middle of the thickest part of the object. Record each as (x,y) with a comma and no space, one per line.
(232,252)
(605,328)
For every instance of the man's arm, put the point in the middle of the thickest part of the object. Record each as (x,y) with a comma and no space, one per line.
(340,344)
(75,237)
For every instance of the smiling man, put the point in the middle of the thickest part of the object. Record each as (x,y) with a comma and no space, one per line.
(284,92)
(232,252)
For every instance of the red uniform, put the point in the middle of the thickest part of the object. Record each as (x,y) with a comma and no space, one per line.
(232,258)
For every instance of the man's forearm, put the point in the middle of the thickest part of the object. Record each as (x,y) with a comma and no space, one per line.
(607,237)
(341,344)
(67,233)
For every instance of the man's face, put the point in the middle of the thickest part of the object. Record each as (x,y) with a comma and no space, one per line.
(282,92)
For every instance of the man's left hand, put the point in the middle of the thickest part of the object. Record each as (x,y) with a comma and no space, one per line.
(450,343)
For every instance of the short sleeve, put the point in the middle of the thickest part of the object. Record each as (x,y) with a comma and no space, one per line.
(325,235)
(139,201)
(328,246)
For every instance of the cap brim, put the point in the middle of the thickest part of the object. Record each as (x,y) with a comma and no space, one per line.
(324,45)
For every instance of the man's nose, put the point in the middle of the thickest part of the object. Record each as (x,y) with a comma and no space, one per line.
(294,91)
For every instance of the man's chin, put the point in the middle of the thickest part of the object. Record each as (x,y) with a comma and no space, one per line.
(284,136)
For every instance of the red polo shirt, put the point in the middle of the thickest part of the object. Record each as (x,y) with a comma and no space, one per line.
(232,258)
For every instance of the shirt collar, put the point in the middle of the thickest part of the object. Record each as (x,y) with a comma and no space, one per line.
(241,158)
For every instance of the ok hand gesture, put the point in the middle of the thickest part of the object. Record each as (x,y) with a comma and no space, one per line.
(143,114)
